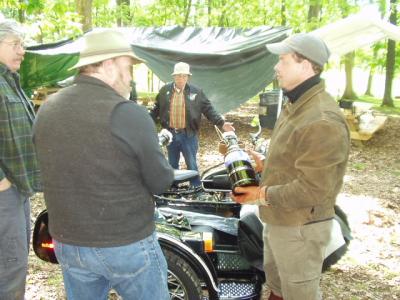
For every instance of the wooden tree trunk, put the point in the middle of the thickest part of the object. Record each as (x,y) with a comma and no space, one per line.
(121,4)
(371,74)
(348,67)
(84,10)
(187,13)
(390,60)
(369,84)
(283,13)
(313,16)
(222,16)
(209,11)
(21,13)
(150,81)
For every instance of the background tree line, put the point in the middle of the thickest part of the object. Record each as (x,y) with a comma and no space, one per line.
(54,20)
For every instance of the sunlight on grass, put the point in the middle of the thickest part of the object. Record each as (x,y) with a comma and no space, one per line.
(377,105)
(55,279)
(358,166)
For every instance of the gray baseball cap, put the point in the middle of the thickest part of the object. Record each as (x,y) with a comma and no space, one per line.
(308,45)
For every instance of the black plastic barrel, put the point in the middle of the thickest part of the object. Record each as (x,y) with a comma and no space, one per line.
(268,109)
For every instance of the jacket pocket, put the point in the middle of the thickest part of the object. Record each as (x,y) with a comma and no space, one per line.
(12,99)
(13,255)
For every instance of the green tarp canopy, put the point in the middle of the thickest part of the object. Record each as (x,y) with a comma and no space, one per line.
(230,65)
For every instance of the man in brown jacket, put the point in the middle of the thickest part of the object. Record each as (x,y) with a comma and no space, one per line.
(303,172)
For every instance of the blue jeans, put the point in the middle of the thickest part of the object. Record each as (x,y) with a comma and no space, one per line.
(15,231)
(188,145)
(135,271)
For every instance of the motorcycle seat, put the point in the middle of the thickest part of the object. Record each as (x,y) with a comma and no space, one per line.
(184,175)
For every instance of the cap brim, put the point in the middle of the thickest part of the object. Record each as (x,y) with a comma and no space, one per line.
(278,48)
(84,61)
(190,74)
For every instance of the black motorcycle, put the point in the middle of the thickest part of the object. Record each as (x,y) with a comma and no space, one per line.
(213,246)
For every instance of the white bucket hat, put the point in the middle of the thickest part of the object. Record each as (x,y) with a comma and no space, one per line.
(104,44)
(181,68)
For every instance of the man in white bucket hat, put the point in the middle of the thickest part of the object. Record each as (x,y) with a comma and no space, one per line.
(303,172)
(99,153)
(179,106)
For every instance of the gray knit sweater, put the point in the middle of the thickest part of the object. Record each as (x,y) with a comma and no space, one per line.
(100,163)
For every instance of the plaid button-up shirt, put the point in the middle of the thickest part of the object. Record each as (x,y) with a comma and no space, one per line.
(177,110)
(18,161)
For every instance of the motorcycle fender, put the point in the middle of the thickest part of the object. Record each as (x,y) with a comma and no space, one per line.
(336,239)
(193,259)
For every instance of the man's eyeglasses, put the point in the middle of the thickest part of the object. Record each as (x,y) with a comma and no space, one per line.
(15,45)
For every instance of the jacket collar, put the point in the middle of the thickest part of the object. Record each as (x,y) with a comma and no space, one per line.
(306,97)
(299,90)
(80,78)
(186,89)
(4,70)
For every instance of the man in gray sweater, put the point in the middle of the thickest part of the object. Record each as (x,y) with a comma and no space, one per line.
(99,154)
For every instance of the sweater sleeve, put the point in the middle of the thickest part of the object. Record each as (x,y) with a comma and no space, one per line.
(135,133)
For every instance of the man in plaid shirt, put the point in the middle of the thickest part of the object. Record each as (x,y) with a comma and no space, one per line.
(19,174)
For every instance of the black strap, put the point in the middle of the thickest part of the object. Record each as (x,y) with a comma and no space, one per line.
(318,221)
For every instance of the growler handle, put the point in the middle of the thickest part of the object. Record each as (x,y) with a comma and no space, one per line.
(220,135)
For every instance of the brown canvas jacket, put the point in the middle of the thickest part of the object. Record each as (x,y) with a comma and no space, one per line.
(306,161)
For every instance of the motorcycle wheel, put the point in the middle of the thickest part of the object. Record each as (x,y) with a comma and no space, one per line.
(183,282)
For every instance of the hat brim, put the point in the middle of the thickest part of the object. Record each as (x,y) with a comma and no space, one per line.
(84,61)
(190,74)
(279,48)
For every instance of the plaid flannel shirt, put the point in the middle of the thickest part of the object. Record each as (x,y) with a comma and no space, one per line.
(17,153)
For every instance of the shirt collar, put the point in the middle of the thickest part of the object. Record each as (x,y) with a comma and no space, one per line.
(178,91)
(4,69)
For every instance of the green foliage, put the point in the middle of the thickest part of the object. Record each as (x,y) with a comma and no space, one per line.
(53,20)
(358,166)
(226,13)
(151,95)
(9,8)
(33,6)
(255,122)
(47,20)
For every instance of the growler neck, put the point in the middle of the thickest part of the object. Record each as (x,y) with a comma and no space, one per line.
(233,148)
(232,142)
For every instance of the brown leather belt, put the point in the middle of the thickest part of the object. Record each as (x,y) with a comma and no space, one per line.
(318,221)
(177,130)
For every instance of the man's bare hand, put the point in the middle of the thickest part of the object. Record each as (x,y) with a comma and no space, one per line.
(228,126)
(258,159)
(5,184)
(246,195)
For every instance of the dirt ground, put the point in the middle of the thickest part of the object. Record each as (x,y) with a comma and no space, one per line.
(370,197)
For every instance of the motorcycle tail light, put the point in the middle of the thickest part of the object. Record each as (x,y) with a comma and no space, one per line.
(47,245)
(42,242)
(208,242)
